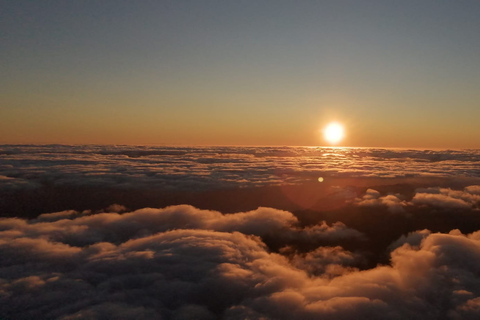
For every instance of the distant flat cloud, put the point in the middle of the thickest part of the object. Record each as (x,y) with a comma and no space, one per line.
(200,168)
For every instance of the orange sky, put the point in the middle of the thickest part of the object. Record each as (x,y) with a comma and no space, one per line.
(241,74)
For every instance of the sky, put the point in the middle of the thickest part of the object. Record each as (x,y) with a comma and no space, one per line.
(395,73)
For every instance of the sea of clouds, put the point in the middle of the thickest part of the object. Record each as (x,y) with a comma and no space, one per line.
(181,262)
(381,255)
(199,168)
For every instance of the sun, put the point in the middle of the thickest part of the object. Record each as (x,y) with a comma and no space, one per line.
(334,133)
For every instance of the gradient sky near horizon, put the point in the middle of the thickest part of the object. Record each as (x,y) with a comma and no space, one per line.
(395,73)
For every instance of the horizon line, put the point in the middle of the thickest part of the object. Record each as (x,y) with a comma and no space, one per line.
(181,145)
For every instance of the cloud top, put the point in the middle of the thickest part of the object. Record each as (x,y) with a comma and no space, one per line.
(181,262)
(435,197)
(200,168)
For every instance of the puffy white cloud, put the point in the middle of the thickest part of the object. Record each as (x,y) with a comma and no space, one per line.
(439,278)
(448,198)
(473,189)
(184,263)
(80,229)
(324,261)
(413,239)
(440,200)
(371,194)
(445,198)
(372,198)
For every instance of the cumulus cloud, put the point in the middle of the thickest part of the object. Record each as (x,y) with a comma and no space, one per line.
(414,239)
(84,228)
(473,190)
(324,261)
(372,198)
(448,198)
(184,263)
(430,281)
(436,197)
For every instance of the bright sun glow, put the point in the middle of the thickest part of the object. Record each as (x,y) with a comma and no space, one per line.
(333,133)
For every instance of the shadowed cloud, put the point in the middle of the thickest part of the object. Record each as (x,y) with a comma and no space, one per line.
(181,262)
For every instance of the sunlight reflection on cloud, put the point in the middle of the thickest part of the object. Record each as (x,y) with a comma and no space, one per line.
(194,168)
(182,262)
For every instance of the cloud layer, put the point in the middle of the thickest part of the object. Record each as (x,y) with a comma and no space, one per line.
(179,262)
(184,263)
(447,198)
(440,198)
(200,168)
